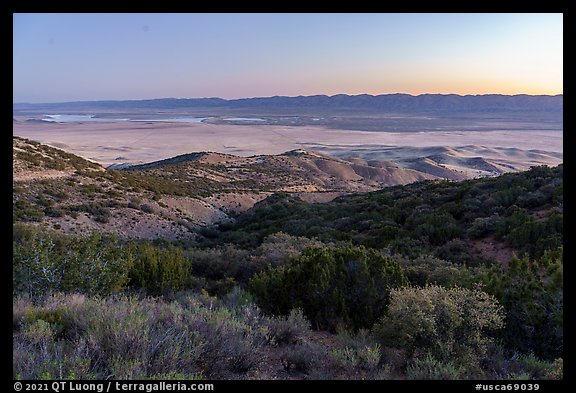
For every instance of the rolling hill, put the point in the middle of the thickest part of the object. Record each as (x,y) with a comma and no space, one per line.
(172,198)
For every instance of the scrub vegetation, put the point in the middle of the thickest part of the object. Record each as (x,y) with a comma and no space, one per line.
(431,280)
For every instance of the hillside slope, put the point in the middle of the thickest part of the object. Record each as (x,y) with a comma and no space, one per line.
(172,198)
(469,222)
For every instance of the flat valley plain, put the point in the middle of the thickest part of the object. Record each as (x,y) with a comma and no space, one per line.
(512,142)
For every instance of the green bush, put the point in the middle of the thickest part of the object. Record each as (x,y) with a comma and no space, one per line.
(483,226)
(431,270)
(556,370)
(429,368)
(221,262)
(54,212)
(43,264)
(98,210)
(452,323)
(279,248)
(340,286)
(438,228)
(146,208)
(158,270)
(365,358)
(22,210)
(532,295)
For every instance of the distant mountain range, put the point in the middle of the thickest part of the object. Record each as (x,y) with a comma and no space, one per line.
(403,103)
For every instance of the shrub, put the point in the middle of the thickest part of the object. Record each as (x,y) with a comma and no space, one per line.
(455,250)
(43,264)
(39,332)
(429,368)
(302,357)
(483,226)
(535,367)
(430,270)
(556,370)
(221,262)
(365,358)
(130,338)
(438,228)
(57,194)
(146,208)
(237,298)
(232,339)
(158,270)
(533,298)
(54,164)
(50,362)
(100,212)
(345,286)
(290,329)
(279,248)
(103,217)
(22,210)
(54,212)
(447,323)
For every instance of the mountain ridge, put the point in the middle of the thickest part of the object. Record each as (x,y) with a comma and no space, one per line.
(396,102)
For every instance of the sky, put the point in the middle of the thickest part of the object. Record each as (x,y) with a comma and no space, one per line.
(74,57)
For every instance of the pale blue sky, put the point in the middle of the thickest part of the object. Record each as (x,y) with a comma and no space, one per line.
(68,57)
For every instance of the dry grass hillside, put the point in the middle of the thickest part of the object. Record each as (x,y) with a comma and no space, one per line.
(172,198)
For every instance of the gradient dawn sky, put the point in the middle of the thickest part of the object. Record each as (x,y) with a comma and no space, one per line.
(70,57)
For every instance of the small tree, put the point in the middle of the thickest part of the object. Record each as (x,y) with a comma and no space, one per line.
(340,286)
(533,298)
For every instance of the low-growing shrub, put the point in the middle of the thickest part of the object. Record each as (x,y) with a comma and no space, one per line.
(429,368)
(302,357)
(22,210)
(130,338)
(288,330)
